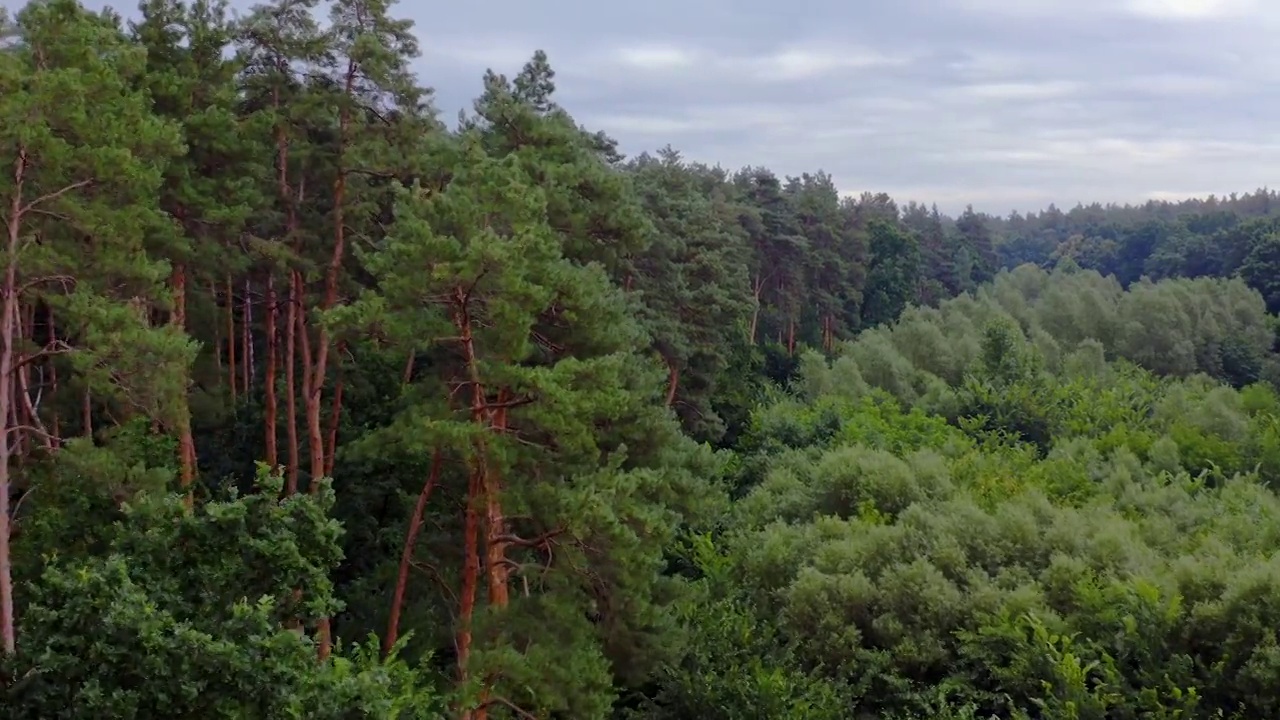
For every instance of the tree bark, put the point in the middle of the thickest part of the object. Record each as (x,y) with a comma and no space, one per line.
(291,385)
(406,555)
(335,417)
(269,401)
(246,346)
(673,381)
(186,441)
(231,339)
(8,637)
(470,582)
(757,289)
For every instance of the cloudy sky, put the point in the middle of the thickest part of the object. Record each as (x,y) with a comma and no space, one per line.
(1000,103)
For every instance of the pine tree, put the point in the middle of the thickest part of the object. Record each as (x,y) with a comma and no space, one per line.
(212,191)
(87,162)
(693,292)
(542,395)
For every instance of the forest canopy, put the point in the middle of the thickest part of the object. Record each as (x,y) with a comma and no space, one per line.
(315,406)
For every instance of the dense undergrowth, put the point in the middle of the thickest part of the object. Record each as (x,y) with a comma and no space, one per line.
(1007,507)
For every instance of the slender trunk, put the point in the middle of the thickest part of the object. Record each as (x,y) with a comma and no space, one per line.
(408,370)
(217,328)
(318,371)
(791,335)
(27,411)
(483,485)
(315,446)
(186,441)
(673,381)
(496,521)
(757,288)
(488,482)
(315,449)
(470,583)
(269,402)
(246,347)
(53,380)
(335,417)
(291,319)
(406,555)
(86,409)
(8,637)
(231,339)
(291,384)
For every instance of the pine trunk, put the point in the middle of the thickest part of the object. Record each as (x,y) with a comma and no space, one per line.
(53,380)
(269,401)
(186,441)
(470,583)
(757,290)
(246,340)
(291,384)
(8,637)
(335,418)
(496,521)
(673,381)
(406,555)
(231,340)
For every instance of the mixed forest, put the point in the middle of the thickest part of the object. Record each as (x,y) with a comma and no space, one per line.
(315,406)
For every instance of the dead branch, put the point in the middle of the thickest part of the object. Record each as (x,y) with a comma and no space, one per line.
(54,195)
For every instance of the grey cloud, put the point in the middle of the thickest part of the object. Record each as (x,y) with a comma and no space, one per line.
(1000,103)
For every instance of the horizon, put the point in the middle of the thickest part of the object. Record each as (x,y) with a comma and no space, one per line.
(999,104)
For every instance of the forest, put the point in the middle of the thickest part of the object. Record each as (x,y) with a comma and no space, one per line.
(315,406)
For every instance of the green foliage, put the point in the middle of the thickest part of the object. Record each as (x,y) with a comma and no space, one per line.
(183,613)
(938,489)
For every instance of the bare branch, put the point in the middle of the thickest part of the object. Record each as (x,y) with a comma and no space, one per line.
(49,439)
(517,402)
(540,541)
(54,195)
(55,347)
(50,442)
(65,280)
(519,711)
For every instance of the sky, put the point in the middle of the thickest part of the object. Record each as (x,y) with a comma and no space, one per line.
(1002,104)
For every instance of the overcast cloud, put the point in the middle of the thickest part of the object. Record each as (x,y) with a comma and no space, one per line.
(1000,103)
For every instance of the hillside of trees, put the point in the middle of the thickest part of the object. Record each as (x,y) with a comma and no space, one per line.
(314,406)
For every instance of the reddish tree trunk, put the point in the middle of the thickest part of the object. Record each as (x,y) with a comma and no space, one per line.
(318,371)
(673,381)
(291,384)
(406,555)
(495,520)
(86,409)
(488,482)
(8,637)
(53,381)
(231,339)
(269,402)
(186,441)
(335,417)
(757,288)
(27,411)
(309,403)
(470,583)
(217,328)
(246,341)
(408,370)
